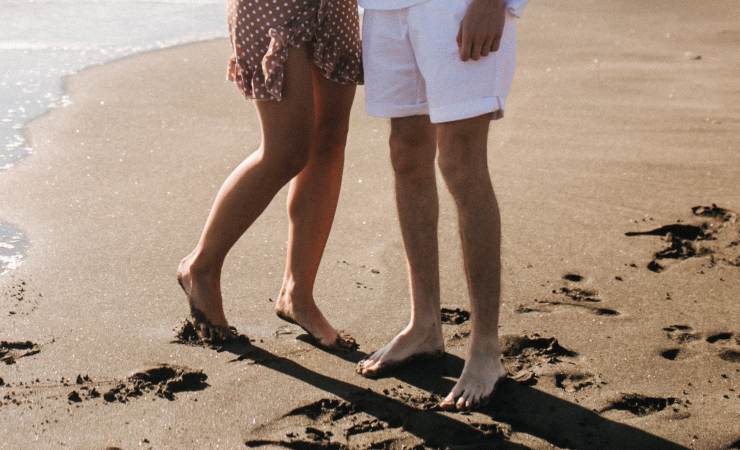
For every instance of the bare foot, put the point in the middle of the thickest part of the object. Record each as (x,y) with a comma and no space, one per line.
(412,343)
(203,292)
(308,316)
(482,371)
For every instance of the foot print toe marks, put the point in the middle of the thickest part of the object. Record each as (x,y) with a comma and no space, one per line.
(688,339)
(605,312)
(574,277)
(673,353)
(681,333)
(579,295)
(730,355)
(723,336)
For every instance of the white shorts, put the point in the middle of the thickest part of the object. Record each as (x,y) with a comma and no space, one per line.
(413,67)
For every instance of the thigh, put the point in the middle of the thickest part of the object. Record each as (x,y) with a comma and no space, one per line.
(287,124)
(394,86)
(455,89)
(332,104)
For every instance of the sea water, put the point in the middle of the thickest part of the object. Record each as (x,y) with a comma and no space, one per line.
(42,41)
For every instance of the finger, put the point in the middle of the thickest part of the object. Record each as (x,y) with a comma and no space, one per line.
(466,45)
(496,44)
(459,36)
(486,47)
(476,48)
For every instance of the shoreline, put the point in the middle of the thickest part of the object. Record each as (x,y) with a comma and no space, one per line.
(594,338)
(61,99)
(9,231)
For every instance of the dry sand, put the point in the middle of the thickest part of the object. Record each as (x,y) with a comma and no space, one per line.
(624,116)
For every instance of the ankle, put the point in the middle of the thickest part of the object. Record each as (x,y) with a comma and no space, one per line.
(296,292)
(199,267)
(485,344)
(427,327)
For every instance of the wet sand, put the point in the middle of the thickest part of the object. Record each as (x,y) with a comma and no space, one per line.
(621,279)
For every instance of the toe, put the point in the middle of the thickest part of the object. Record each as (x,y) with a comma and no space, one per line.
(359,366)
(461,404)
(451,399)
(371,360)
(371,369)
(204,331)
(472,401)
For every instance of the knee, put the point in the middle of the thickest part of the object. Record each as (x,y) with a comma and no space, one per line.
(412,152)
(330,137)
(462,160)
(296,161)
(285,151)
(288,163)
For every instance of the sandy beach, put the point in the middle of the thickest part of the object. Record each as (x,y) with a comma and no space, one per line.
(617,168)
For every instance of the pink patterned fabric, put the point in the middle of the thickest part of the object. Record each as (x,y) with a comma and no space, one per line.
(263,31)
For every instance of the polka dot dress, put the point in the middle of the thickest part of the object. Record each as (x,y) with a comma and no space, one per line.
(263,31)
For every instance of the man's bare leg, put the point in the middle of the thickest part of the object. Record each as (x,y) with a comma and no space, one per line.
(249,189)
(463,161)
(413,149)
(312,202)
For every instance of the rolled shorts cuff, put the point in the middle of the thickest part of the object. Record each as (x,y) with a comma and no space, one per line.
(392,111)
(466,110)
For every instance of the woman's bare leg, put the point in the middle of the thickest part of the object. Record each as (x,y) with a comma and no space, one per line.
(287,130)
(312,202)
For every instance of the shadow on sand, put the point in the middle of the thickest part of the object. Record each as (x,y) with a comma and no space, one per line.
(526,409)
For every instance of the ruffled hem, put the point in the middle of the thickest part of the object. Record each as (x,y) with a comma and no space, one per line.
(345,68)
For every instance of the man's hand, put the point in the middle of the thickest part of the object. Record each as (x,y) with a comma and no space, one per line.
(481,29)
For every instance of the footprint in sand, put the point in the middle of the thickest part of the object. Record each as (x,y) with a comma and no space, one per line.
(186,334)
(327,423)
(11,351)
(162,380)
(712,233)
(413,397)
(729,348)
(690,343)
(370,423)
(643,405)
(574,381)
(528,357)
(459,320)
(455,316)
(572,296)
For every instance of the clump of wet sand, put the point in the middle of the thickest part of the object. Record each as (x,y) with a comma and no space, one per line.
(186,334)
